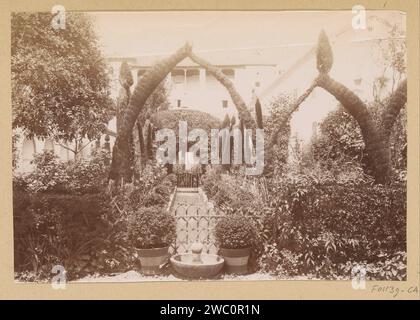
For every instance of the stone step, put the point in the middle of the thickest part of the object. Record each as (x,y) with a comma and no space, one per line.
(187,190)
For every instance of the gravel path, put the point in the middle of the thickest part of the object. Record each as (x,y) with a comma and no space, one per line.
(134,276)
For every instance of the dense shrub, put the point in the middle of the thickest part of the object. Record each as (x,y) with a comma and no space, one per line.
(319,223)
(48,174)
(68,230)
(81,176)
(340,139)
(89,176)
(233,193)
(151,228)
(279,261)
(62,215)
(237,194)
(329,226)
(235,232)
(153,189)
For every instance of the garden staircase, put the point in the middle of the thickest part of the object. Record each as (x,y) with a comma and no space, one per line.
(195,219)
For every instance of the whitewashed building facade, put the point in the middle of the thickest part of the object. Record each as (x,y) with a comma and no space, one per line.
(262,73)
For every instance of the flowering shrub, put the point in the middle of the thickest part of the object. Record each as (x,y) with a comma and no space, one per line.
(391,266)
(279,261)
(233,193)
(277,129)
(81,176)
(89,176)
(340,139)
(151,228)
(152,189)
(235,232)
(49,174)
(62,216)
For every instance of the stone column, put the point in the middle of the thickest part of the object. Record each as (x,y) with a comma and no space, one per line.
(202,78)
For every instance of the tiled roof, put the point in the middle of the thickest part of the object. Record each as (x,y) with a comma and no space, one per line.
(266,56)
(245,57)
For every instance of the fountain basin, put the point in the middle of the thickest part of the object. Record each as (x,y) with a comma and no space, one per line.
(186,264)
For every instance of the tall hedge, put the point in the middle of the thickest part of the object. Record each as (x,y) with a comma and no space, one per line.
(329,227)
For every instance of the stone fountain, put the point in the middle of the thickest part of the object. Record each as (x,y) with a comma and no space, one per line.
(197,264)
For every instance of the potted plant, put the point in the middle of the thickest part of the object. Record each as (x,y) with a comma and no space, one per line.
(235,235)
(151,231)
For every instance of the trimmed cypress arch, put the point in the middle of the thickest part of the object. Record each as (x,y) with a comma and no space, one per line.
(375,137)
(122,163)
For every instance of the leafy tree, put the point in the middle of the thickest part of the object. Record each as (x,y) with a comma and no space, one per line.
(60,84)
(392,56)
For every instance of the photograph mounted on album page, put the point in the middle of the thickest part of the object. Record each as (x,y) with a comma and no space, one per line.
(189,150)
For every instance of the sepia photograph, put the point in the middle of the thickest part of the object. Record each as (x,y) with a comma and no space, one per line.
(209,146)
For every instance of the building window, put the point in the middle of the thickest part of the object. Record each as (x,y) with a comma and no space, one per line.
(193,77)
(257,84)
(193,73)
(358,81)
(224,104)
(140,73)
(178,76)
(230,73)
(178,103)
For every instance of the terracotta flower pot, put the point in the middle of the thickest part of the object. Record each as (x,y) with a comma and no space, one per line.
(236,260)
(151,259)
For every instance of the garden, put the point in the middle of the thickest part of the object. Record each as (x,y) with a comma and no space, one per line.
(317,211)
